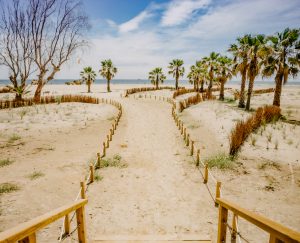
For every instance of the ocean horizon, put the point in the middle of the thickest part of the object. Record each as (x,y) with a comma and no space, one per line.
(145,81)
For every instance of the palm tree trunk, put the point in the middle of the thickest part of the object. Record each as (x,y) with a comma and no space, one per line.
(249,93)
(242,92)
(176,83)
(18,97)
(108,85)
(156,84)
(195,86)
(202,86)
(278,87)
(89,86)
(222,91)
(209,92)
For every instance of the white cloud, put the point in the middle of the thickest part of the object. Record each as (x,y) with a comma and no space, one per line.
(134,23)
(135,50)
(179,11)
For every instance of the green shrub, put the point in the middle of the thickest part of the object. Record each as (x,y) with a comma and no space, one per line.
(8,187)
(220,161)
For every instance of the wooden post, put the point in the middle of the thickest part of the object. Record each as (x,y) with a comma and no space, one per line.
(234,229)
(67,225)
(29,239)
(110,135)
(180,124)
(223,215)
(81,225)
(82,185)
(104,149)
(107,141)
(184,134)
(218,191)
(112,129)
(92,173)
(198,158)
(98,161)
(274,239)
(188,140)
(192,148)
(205,174)
(182,129)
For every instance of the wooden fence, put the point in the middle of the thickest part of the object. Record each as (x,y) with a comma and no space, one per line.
(5,104)
(26,232)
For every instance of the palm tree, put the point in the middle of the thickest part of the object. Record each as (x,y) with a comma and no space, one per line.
(108,71)
(176,69)
(240,53)
(194,76)
(256,53)
(89,76)
(211,63)
(157,76)
(283,59)
(224,72)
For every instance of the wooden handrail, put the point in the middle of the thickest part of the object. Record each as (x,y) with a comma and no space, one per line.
(278,232)
(28,229)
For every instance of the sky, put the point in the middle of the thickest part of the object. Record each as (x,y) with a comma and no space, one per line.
(139,35)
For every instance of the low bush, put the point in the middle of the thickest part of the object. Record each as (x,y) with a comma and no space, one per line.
(220,161)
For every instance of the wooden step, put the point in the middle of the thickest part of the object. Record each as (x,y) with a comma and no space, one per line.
(151,239)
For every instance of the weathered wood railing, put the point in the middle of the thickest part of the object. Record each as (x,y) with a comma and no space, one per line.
(26,232)
(278,233)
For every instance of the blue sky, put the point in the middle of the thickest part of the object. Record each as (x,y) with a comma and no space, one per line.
(139,35)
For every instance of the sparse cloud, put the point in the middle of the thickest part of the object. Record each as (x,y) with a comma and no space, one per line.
(134,23)
(178,11)
(186,29)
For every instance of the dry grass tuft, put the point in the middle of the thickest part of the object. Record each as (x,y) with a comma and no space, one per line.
(5,162)
(8,187)
(243,128)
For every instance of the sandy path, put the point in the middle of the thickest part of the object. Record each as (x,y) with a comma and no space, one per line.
(160,192)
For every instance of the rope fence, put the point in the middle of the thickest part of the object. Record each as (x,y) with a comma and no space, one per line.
(84,185)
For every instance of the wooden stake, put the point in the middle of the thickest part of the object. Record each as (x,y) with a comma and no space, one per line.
(198,158)
(67,225)
(205,174)
(98,160)
(182,130)
(107,141)
(81,231)
(218,191)
(184,134)
(104,149)
(192,148)
(110,135)
(188,140)
(82,185)
(92,173)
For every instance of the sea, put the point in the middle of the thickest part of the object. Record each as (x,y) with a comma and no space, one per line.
(145,81)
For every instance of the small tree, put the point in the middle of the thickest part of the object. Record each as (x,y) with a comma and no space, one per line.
(108,71)
(57,28)
(211,63)
(224,73)
(177,70)
(283,59)
(89,76)
(157,76)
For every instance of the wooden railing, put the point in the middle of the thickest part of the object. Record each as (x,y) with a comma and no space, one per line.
(278,233)
(26,232)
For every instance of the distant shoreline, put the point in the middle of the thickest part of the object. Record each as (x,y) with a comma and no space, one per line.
(4,82)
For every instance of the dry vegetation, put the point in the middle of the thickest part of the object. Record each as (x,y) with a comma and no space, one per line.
(244,128)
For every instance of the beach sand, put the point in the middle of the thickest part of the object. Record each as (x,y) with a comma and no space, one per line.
(156,190)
